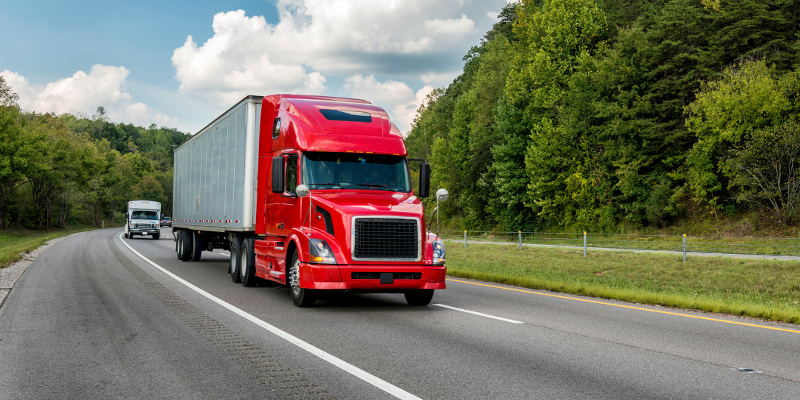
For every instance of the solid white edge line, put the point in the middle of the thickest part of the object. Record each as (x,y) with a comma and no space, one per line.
(480,314)
(339,363)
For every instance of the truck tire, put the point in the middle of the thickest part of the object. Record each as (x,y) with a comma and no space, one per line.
(247,263)
(233,266)
(185,245)
(300,296)
(179,245)
(197,245)
(156,236)
(421,297)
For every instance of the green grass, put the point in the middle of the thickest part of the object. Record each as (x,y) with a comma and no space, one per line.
(14,243)
(768,289)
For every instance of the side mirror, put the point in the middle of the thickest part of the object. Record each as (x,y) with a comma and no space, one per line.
(442,194)
(277,174)
(424,180)
(302,190)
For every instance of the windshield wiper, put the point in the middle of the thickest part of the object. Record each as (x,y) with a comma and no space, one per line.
(375,186)
(331,184)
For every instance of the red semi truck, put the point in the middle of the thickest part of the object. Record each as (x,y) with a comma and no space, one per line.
(311,192)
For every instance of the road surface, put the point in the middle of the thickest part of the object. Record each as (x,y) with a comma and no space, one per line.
(92,319)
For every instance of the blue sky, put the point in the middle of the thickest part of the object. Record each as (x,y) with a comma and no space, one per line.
(181,63)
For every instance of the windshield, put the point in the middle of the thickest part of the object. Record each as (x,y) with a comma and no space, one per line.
(144,215)
(355,171)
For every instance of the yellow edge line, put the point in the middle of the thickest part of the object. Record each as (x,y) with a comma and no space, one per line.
(624,306)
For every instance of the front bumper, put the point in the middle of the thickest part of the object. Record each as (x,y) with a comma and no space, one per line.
(149,231)
(376,278)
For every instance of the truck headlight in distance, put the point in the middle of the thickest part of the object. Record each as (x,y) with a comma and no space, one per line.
(438,252)
(321,252)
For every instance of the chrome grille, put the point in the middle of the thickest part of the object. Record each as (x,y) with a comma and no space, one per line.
(386,239)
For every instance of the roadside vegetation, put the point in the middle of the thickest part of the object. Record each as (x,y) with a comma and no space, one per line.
(615,116)
(15,243)
(63,170)
(767,289)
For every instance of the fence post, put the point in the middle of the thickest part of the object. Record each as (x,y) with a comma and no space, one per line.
(520,240)
(584,243)
(684,247)
(465,238)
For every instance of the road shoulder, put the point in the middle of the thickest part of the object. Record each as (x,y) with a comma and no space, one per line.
(11,274)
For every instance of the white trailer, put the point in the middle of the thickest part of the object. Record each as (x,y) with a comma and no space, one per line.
(143,218)
(214,184)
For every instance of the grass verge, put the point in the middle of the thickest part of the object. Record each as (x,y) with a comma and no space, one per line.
(14,243)
(768,289)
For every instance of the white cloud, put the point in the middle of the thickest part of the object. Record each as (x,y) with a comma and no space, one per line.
(82,93)
(459,26)
(316,42)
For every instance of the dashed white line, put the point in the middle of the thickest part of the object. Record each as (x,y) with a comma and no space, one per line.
(339,363)
(480,314)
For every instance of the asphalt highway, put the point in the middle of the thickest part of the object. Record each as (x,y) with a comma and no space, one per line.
(99,316)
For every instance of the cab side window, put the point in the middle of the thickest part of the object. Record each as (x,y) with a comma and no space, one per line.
(291,173)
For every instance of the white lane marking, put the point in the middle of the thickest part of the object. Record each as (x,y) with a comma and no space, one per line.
(480,314)
(339,363)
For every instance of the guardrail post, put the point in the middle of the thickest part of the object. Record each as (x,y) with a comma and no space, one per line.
(520,239)
(584,243)
(465,238)
(684,247)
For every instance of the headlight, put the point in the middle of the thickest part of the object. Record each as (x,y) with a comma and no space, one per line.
(321,252)
(438,252)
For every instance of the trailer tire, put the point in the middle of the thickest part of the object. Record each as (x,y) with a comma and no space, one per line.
(247,263)
(421,297)
(233,265)
(197,245)
(300,296)
(185,245)
(179,245)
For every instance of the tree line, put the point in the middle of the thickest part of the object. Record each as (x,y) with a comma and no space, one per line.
(57,170)
(592,114)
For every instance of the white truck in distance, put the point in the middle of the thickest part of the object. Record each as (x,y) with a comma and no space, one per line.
(143,218)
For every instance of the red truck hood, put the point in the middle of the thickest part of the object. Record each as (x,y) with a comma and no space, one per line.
(368,202)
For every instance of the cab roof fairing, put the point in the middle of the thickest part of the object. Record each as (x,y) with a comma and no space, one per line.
(304,127)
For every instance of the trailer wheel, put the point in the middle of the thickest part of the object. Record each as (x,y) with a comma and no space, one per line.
(420,297)
(197,246)
(301,297)
(179,245)
(247,263)
(185,245)
(233,266)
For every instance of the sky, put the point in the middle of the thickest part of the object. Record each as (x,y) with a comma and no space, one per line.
(179,64)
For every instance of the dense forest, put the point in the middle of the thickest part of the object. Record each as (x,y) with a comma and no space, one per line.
(63,170)
(602,114)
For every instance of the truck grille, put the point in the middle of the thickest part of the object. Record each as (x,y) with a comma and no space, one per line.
(144,225)
(386,239)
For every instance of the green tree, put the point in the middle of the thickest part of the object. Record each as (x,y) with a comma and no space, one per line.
(556,39)
(728,115)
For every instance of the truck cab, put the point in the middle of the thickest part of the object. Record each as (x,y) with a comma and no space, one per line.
(340,212)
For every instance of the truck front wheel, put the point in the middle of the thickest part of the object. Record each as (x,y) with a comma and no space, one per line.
(420,297)
(301,297)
